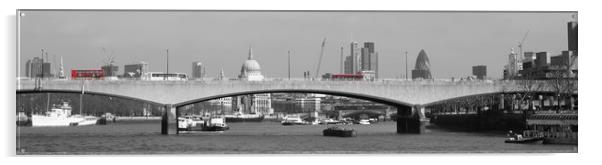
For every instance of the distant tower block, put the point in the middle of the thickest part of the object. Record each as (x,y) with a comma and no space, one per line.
(572,34)
(422,69)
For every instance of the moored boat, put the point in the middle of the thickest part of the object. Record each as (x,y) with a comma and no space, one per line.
(215,124)
(292,120)
(339,132)
(61,116)
(244,118)
(525,140)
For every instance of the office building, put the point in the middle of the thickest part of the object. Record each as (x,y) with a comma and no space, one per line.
(355,55)
(480,71)
(135,71)
(110,70)
(36,67)
(198,70)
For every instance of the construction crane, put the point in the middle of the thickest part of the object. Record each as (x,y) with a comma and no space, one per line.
(321,55)
(520,45)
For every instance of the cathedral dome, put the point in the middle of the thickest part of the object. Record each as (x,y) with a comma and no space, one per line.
(251,66)
(250,69)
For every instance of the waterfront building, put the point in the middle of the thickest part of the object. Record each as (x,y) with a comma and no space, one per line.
(545,67)
(226,101)
(250,70)
(480,71)
(198,70)
(135,71)
(422,68)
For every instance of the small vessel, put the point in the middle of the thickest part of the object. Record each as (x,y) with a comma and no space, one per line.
(239,117)
(525,140)
(190,123)
(339,132)
(292,120)
(215,124)
(364,122)
(61,116)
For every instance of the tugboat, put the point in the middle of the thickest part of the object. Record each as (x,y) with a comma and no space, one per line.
(339,132)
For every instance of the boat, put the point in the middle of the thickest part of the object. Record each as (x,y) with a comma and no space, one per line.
(292,120)
(524,140)
(215,124)
(60,115)
(244,118)
(364,122)
(339,132)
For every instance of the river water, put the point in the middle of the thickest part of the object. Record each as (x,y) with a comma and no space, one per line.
(143,137)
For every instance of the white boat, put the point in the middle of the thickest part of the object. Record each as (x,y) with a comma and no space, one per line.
(292,120)
(61,116)
(364,121)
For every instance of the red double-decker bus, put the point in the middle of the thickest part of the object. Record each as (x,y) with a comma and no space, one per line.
(95,74)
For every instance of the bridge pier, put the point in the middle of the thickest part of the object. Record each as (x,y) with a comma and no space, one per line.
(409,120)
(169,120)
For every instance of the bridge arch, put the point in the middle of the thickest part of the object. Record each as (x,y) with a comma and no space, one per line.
(372,98)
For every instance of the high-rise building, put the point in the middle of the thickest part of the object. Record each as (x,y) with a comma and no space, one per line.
(349,65)
(198,70)
(542,59)
(356,59)
(514,65)
(135,70)
(572,35)
(37,68)
(422,69)
(480,71)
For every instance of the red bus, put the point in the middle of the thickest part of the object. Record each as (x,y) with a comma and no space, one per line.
(96,74)
(347,77)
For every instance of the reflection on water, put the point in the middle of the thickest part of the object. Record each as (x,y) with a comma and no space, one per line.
(263,137)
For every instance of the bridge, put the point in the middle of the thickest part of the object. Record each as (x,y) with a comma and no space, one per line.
(407,96)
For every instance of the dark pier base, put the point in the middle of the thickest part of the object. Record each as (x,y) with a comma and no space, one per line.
(169,121)
(412,125)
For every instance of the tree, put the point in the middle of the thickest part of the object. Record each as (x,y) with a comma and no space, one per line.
(564,81)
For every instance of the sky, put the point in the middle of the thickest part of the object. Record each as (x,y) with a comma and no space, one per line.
(453,41)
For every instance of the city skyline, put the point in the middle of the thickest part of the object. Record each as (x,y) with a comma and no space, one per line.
(455,40)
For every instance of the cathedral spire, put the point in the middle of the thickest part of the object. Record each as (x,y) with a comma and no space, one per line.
(250,52)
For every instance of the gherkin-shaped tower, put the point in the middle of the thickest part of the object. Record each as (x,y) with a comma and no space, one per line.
(422,69)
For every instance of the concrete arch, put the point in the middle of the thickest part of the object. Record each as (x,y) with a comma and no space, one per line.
(31,91)
(376,99)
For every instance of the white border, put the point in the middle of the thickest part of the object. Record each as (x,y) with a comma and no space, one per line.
(589,137)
